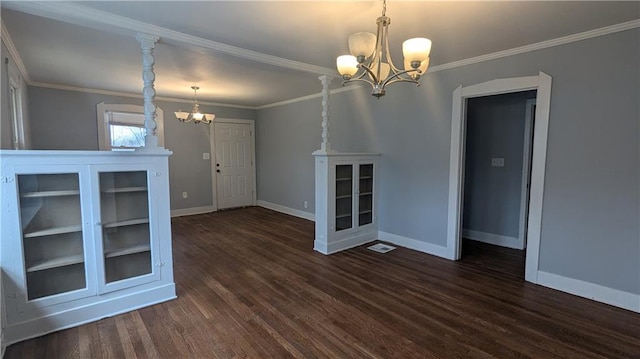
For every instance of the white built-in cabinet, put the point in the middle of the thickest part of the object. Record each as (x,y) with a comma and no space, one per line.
(346,196)
(85,235)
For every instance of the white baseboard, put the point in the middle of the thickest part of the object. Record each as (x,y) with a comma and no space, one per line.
(337,246)
(191,211)
(496,239)
(287,210)
(88,313)
(591,291)
(414,244)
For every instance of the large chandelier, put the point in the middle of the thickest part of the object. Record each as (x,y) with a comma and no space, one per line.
(371,62)
(195,114)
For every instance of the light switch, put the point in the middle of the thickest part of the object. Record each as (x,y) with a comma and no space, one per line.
(205,156)
(497,162)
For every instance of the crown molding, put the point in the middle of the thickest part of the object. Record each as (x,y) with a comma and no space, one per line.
(6,38)
(540,45)
(308,97)
(132,95)
(84,16)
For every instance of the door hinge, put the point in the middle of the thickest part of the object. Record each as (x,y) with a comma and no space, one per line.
(159,264)
(7,179)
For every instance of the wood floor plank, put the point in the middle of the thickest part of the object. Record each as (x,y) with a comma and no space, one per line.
(250,286)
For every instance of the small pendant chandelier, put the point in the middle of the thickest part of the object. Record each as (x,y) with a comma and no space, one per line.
(370,60)
(195,115)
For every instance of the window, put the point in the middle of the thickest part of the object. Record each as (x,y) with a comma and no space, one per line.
(121,127)
(15,108)
(14,97)
(126,130)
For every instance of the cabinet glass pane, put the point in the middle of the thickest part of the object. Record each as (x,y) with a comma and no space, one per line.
(365,195)
(124,207)
(52,240)
(344,197)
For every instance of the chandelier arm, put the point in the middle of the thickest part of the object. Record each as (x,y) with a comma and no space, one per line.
(373,86)
(370,72)
(396,77)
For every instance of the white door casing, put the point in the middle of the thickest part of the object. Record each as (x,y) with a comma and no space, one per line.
(541,83)
(232,163)
(530,107)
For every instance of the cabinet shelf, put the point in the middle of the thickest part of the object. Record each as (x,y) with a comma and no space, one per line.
(38,194)
(365,193)
(365,212)
(124,189)
(344,196)
(56,262)
(129,222)
(366,177)
(55,230)
(123,251)
(343,215)
(343,179)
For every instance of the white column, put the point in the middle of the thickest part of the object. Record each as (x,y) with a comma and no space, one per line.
(147,43)
(325,146)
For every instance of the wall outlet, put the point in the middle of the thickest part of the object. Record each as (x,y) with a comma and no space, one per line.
(185,194)
(306,204)
(206,156)
(497,162)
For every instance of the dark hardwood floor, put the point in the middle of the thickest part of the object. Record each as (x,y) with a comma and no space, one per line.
(250,286)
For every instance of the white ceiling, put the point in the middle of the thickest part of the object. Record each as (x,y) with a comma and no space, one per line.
(277,49)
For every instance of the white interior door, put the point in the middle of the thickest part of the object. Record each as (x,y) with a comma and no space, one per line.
(234,168)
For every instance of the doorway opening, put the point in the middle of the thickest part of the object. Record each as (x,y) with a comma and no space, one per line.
(496,172)
(542,84)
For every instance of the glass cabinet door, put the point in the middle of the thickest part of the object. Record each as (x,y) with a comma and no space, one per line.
(344,197)
(52,237)
(365,194)
(124,211)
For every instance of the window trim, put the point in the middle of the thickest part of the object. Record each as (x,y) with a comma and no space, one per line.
(104,133)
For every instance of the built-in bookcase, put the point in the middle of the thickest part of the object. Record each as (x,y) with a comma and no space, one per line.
(84,235)
(345,200)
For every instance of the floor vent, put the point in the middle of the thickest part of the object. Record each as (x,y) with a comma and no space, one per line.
(381,248)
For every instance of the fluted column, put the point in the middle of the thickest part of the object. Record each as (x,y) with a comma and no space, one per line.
(147,44)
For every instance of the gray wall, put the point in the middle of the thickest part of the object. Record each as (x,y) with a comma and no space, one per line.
(66,120)
(590,225)
(495,128)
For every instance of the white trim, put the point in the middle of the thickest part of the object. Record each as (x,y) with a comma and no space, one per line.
(618,298)
(538,166)
(456,178)
(287,210)
(8,42)
(414,244)
(102,20)
(95,311)
(346,243)
(212,158)
(539,45)
(191,211)
(132,95)
(526,167)
(542,83)
(309,97)
(491,238)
